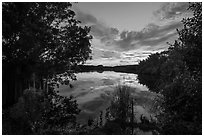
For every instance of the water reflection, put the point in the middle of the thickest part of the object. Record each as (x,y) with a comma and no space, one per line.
(152,82)
(93,91)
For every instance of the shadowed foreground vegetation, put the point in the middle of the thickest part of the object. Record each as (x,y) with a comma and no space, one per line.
(37,112)
(40,114)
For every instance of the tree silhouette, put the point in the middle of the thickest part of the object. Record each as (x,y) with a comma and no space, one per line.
(180,77)
(40,39)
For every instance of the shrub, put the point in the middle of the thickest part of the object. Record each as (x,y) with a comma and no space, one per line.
(37,112)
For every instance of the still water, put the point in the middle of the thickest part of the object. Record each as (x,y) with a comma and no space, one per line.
(93,91)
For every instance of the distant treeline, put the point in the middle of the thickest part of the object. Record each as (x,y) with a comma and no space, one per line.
(101,68)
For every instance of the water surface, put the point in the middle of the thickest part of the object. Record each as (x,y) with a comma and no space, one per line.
(93,91)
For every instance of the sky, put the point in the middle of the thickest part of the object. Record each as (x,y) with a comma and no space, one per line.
(126,32)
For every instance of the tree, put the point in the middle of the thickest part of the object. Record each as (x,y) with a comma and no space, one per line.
(191,38)
(40,39)
(41,43)
(183,101)
(180,76)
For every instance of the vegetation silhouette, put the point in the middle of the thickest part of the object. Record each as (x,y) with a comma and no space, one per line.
(179,78)
(41,41)
(101,68)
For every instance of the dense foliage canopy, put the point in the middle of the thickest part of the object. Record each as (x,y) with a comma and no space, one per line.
(40,43)
(180,77)
(43,36)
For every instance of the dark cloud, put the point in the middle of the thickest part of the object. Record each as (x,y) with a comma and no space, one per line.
(85,18)
(151,31)
(151,36)
(98,29)
(155,42)
(103,32)
(171,9)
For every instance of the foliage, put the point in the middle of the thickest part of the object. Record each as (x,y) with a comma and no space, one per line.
(45,33)
(38,113)
(62,110)
(41,39)
(191,38)
(180,79)
(41,42)
(120,113)
(152,65)
(121,103)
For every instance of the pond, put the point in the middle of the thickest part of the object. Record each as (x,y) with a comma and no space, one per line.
(93,91)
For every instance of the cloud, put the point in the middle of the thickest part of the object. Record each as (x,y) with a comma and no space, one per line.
(98,29)
(103,32)
(171,10)
(157,40)
(102,53)
(122,58)
(85,18)
(114,58)
(111,47)
(148,38)
(151,36)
